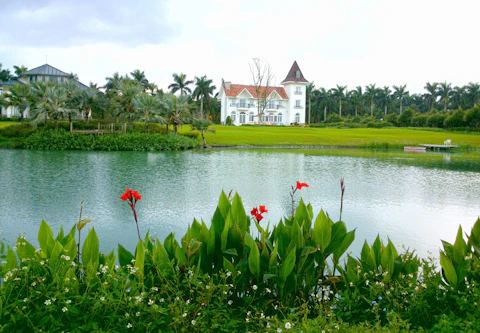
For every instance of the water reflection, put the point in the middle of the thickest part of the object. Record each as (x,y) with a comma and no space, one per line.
(415,200)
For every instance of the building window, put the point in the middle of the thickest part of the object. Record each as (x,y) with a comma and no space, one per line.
(280,118)
(251,103)
(251,116)
(297,74)
(234,102)
(233,116)
(297,117)
(298,90)
(242,118)
(271,104)
(31,78)
(243,103)
(297,104)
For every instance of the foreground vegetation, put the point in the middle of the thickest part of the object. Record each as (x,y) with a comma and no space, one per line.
(238,275)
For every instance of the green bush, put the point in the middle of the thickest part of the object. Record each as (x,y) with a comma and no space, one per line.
(333,118)
(420,120)
(472,117)
(392,118)
(456,119)
(228,121)
(436,120)
(62,140)
(405,119)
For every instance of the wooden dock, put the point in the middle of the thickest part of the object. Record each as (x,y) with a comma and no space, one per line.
(438,147)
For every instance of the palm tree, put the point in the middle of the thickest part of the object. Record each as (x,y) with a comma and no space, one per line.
(445,93)
(202,125)
(88,100)
(54,107)
(149,108)
(400,93)
(112,81)
(176,109)
(459,97)
(203,90)
(371,95)
(338,94)
(324,99)
(431,95)
(384,97)
(310,94)
(125,91)
(473,91)
(19,70)
(180,84)
(140,77)
(356,97)
(18,96)
(73,76)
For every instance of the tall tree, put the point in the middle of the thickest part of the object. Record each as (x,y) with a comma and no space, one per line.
(140,77)
(263,80)
(400,93)
(324,98)
(310,96)
(176,109)
(384,97)
(54,107)
(203,90)
(356,97)
(473,91)
(125,91)
(445,93)
(459,98)
(432,94)
(19,70)
(180,83)
(339,93)
(149,108)
(19,97)
(113,81)
(5,74)
(371,95)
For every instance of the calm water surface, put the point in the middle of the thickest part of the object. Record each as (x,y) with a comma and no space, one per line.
(415,199)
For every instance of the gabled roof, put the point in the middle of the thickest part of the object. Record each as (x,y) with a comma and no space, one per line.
(236,89)
(45,70)
(292,77)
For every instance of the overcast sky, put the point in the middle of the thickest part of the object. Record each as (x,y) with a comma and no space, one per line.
(343,42)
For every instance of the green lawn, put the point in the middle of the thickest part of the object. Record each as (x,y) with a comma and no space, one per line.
(359,137)
(4,124)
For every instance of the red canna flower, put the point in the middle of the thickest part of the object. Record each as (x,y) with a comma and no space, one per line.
(300,185)
(263,210)
(258,217)
(254,211)
(132,197)
(257,214)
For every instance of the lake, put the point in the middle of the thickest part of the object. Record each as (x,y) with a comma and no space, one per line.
(415,199)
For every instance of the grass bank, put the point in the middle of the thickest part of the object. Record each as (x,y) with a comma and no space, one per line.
(334,137)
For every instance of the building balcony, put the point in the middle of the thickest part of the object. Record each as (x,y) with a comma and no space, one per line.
(296,92)
(298,107)
(275,107)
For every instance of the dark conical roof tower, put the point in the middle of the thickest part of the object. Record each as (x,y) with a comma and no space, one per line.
(295,75)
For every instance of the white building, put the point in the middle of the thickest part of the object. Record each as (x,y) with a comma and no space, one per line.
(285,105)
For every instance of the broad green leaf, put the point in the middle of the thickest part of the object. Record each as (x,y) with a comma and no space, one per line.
(224,236)
(287,265)
(388,258)
(232,252)
(297,235)
(474,238)
(140,258)
(160,255)
(302,215)
(322,231)
(11,261)
(180,256)
(211,242)
(124,256)
(377,248)
(459,248)
(223,205)
(339,230)
(346,242)
(45,239)
(24,249)
(90,249)
(272,264)
(239,217)
(228,266)
(448,269)
(194,246)
(57,251)
(254,255)
(218,221)
(268,276)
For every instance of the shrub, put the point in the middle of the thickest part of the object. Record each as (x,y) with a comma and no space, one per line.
(436,120)
(333,118)
(472,117)
(455,119)
(392,118)
(405,119)
(228,121)
(420,120)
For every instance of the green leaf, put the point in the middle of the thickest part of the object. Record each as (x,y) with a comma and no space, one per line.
(239,217)
(322,231)
(272,263)
(339,230)
(346,242)
(124,256)
(268,277)
(224,236)
(448,269)
(24,251)
(45,239)
(11,261)
(287,265)
(254,256)
(377,251)
(459,248)
(140,258)
(388,258)
(90,249)
(57,251)
(228,266)
(302,215)
(232,252)
(223,205)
